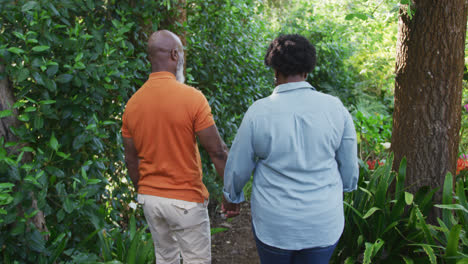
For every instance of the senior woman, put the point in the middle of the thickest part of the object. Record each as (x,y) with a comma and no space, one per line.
(301,146)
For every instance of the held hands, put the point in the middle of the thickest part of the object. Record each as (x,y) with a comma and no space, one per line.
(230,209)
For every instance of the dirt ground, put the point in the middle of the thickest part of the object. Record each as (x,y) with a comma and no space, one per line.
(236,245)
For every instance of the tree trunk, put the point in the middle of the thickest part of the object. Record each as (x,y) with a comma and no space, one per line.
(174,21)
(7,100)
(428,90)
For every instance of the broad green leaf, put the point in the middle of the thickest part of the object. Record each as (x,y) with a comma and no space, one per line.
(6,185)
(353,209)
(36,241)
(30,109)
(430,253)
(132,227)
(409,198)
(216,230)
(15,50)
(47,102)
(52,70)
(6,113)
(27,149)
(94,181)
(424,227)
(40,48)
(68,205)
(401,177)
(29,6)
(19,35)
(63,155)
(79,57)
(38,77)
(452,207)
(53,142)
(368,253)
(23,74)
(370,212)
(362,16)
(64,78)
(408,260)
(38,122)
(452,246)
(447,198)
(23,118)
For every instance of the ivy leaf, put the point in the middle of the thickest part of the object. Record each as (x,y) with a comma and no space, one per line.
(64,78)
(15,50)
(40,48)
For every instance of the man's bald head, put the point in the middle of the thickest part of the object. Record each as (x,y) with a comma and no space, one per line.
(163,41)
(166,53)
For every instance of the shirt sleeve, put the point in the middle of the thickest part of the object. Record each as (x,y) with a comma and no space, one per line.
(346,155)
(240,163)
(125,131)
(203,116)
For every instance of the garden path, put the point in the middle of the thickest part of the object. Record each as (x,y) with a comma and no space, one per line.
(236,245)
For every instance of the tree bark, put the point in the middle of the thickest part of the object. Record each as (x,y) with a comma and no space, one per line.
(428,91)
(7,100)
(174,21)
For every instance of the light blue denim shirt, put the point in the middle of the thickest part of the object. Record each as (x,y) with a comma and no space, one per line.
(301,146)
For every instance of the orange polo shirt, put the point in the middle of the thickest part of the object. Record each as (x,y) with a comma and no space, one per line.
(162,118)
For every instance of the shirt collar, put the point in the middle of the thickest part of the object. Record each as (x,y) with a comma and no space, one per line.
(292,86)
(162,75)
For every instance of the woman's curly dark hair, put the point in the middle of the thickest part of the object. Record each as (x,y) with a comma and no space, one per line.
(290,55)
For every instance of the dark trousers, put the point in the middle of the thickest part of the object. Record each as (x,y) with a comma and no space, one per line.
(272,255)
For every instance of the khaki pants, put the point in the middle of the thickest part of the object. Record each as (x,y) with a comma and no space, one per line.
(178,228)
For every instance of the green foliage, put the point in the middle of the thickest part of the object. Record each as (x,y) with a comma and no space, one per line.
(463,147)
(389,225)
(373,132)
(226,43)
(133,246)
(354,56)
(74,64)
(72,73)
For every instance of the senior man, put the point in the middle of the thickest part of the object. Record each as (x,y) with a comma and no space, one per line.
(160,125)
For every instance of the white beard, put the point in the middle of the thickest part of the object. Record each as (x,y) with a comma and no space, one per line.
(180,70)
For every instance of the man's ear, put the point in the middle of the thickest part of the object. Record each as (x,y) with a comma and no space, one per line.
(174,55)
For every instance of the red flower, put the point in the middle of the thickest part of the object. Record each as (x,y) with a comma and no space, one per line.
(371,164)
(462,164)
